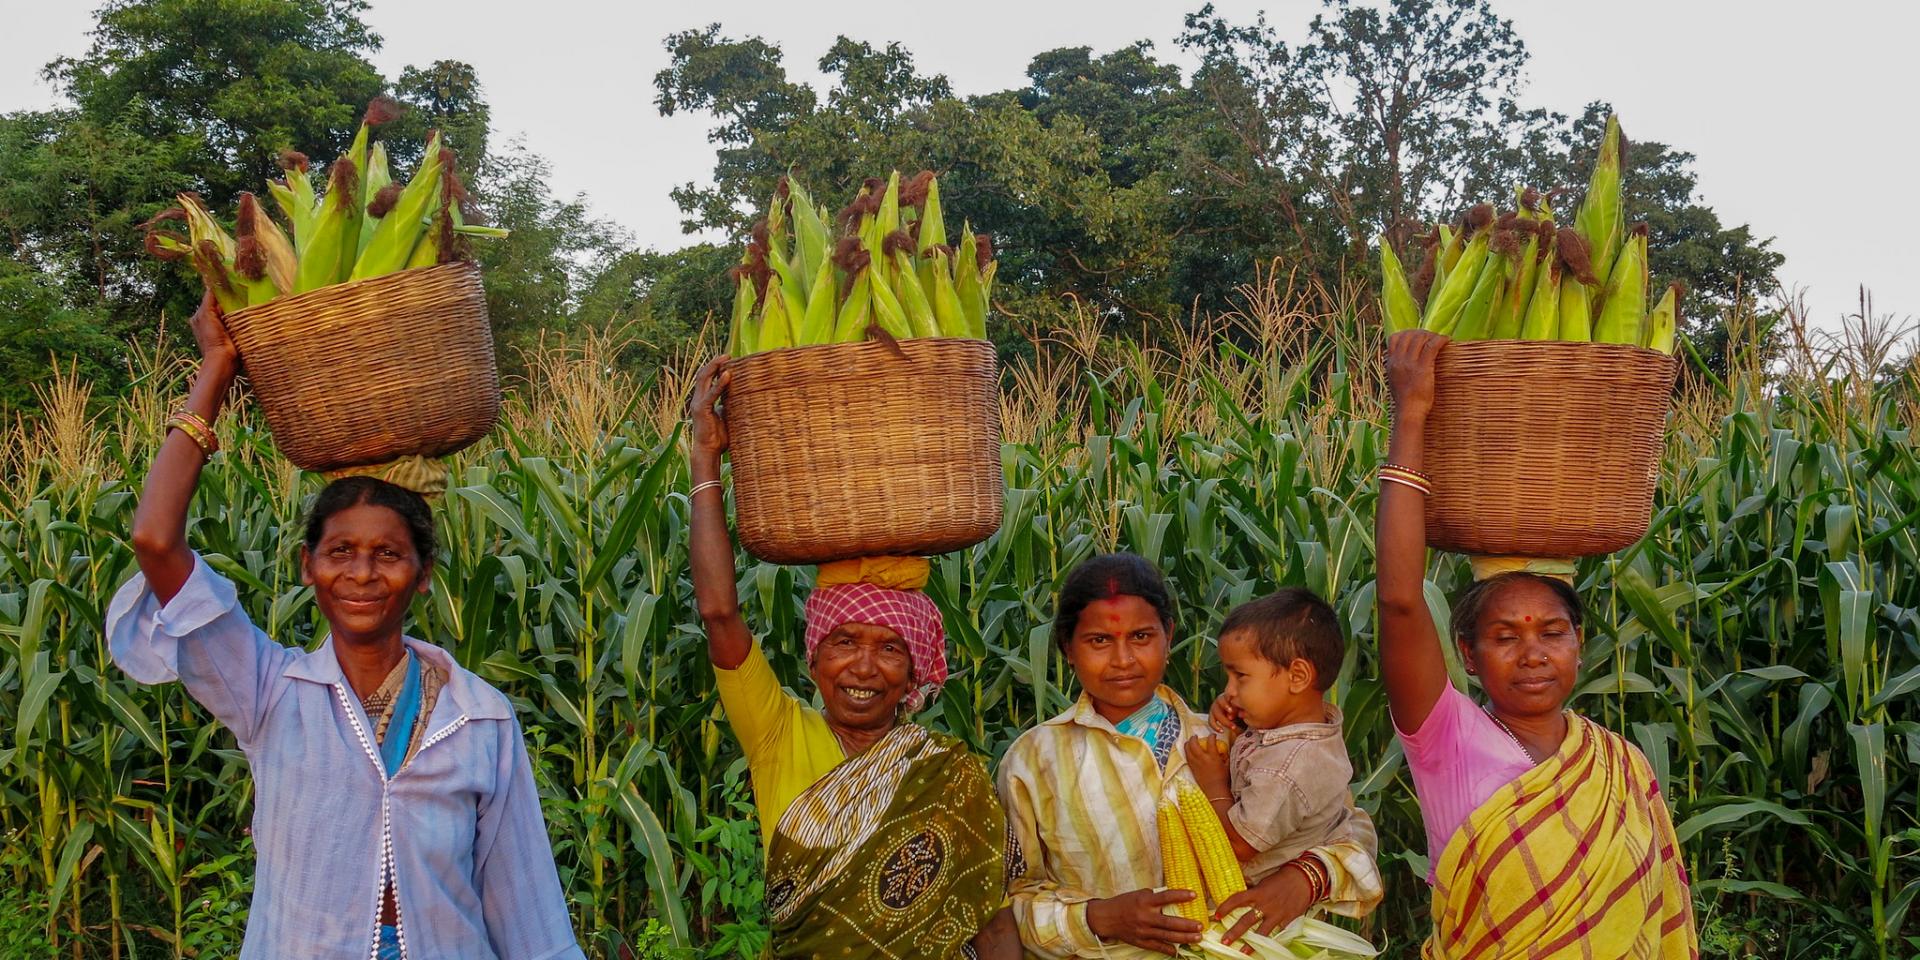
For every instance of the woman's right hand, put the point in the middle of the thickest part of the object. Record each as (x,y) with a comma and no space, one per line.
(709,424)
(1137,918)
(1410,359)
(219,358)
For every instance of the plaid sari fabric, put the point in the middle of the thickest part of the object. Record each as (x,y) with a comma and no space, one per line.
(1576,858)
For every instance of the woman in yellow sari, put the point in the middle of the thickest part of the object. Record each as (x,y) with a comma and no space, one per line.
(1547,833)
(884,840)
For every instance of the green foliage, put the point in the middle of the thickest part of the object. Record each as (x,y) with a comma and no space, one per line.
(1759,645)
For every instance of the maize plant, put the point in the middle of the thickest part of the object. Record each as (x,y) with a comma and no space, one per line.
(1761,644)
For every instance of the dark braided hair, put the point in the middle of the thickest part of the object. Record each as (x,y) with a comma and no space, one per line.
(1103,577)
(1473,602)
(369,491)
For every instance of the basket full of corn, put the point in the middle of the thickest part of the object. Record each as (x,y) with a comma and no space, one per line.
(863,411)
(363,326)
(1550,404)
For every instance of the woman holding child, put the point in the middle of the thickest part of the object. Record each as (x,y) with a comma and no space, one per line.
(1547,833)
(884,840)
(1082,789)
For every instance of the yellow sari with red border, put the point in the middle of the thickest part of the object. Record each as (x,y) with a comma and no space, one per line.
(1575,858)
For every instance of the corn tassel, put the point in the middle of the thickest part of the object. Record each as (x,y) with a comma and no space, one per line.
(1625,306)
(1182,869)
(1397,308)
(1662,324)
(1218,865)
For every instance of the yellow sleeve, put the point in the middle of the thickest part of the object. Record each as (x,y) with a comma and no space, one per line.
(1052,918)
(761,713)
(1352,867)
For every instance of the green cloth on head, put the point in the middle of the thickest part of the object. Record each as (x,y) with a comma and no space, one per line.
(898,852)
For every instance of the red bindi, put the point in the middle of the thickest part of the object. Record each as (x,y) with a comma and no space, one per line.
(1529,619)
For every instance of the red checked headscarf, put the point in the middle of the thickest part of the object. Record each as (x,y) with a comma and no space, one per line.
(907,612)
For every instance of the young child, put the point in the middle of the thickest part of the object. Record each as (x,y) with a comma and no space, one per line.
(1280,787)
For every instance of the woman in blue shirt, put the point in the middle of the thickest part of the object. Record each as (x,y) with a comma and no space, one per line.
(395,812)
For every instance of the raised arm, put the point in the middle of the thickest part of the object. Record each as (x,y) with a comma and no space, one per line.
(714,588)
(1410,655)
(159,535)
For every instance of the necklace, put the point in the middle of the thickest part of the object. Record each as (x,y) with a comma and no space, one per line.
(1510,736)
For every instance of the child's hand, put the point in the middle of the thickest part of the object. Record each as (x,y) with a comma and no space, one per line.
(1224,718)
(1207,758)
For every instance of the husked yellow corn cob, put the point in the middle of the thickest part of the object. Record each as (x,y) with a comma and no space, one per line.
(1177,858)
(1210,844)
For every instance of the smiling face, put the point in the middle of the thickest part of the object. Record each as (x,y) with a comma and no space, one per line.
(364,572)
(1119,652)
(1526,650)
(862,672)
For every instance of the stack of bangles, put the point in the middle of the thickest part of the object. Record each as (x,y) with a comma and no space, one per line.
(1406,476)
(1319,880)
(197,429)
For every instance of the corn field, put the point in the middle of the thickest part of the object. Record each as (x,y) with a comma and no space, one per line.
(1761,645)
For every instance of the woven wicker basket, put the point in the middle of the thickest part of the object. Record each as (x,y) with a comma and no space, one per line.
(365,372)
(851,450)
(1543,448)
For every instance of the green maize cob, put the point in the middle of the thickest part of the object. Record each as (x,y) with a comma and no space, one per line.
(1397,310)
(948,312)
(1625,307)
(296,198)
(1443,313)
(985,301)
(401,229)
(378,176)
(1452,246)
(1476,316)
(933,231)
(228,289)
(817,325)
(1511,309)
(1663,321)
(856,312)
(809,230)
(966,273)
(886,306)
(320,266)
(888,219)
(1542,321)
(275,251)
(776,329)
(913,299)
(201,227)
(742,341)
(792,288)
(1600,218)
(1576,309)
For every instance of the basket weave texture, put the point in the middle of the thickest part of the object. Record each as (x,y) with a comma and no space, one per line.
(1545,448)
(851,450)
(366,372)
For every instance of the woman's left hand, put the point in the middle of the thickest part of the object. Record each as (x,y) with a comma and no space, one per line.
(1277,901)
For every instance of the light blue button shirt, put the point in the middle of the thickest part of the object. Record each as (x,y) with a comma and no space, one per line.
(459,825)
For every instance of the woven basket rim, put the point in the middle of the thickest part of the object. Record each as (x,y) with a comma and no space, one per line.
(294,302)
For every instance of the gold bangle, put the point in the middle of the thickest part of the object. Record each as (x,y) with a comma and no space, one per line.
(196,431)
(1411,483)
(1423,475)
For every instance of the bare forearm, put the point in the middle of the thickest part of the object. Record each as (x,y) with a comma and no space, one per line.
(728,641)
(159,534)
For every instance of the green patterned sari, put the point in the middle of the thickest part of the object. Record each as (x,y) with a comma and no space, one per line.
(898,852)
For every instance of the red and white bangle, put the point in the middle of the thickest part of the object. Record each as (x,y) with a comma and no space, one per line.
(1407,477)
(1319,879)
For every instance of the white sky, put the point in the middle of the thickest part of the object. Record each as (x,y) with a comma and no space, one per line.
(1801,115)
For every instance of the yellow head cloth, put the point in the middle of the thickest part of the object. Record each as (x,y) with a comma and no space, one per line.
(894,573)
(1559,568)
(426,476)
